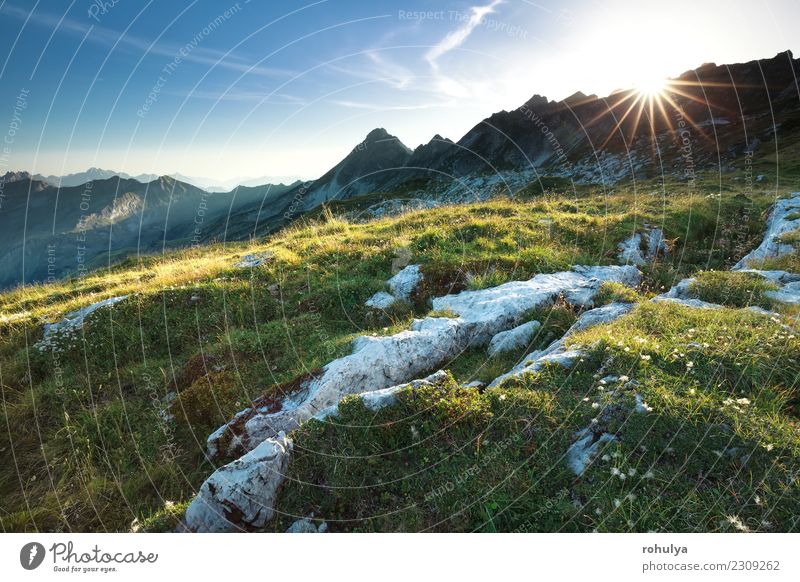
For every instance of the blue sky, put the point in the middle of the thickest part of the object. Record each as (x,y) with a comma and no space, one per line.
(251,88)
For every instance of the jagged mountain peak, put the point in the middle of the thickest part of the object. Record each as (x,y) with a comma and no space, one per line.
(538,102)
(377,134)
(380,136)
(16,176)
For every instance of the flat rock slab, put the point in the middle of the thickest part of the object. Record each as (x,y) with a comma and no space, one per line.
(789,294)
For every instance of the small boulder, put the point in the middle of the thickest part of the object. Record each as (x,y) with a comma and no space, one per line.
(305,525)
(381,300)
(513,339)
(403,284)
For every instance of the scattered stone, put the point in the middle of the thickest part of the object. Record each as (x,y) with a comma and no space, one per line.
(680,291)
(254,260)
(305,525)
(381,300)
(655,245)
(641,406)
(513,339)
(241,495)
(476,384)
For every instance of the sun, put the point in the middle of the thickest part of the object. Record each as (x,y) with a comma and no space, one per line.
(650,85)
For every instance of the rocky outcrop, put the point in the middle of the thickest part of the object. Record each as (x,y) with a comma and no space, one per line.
(241,495)
(378,399)
(778,224)
(403,284)
(381,362)
(789,294)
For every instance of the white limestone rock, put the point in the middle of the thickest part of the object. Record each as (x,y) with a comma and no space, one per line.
(777,225)
(241,495)
(641,406)
(630,251)
(381,300)
(72,322)
(403,284)
(513,339)
(789,294)
(679,291)
(378,399)
(381,362)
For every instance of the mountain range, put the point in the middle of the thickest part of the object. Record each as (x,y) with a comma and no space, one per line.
(721,118)
(207,184)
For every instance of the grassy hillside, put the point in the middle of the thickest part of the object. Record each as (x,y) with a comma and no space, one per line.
(110,426)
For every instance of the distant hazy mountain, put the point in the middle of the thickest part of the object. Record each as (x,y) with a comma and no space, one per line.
(214,185)
(53,232)
(208,184)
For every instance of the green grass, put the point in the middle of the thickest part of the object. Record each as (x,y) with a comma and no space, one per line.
(734,289)
(111,428)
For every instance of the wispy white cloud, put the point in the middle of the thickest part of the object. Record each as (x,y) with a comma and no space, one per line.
(456,38)
(108,38)
(241,95)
